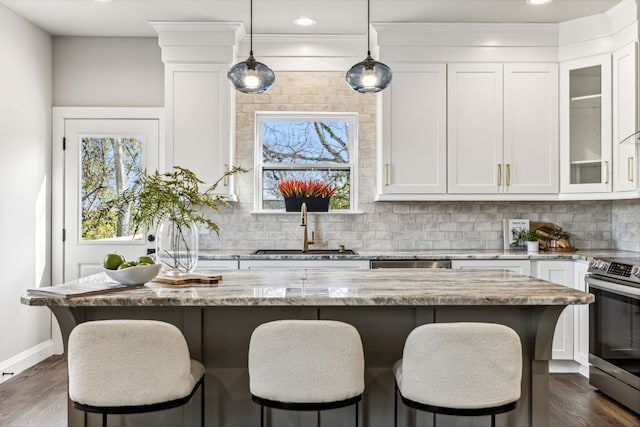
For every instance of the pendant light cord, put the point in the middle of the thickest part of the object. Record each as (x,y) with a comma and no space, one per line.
(368,21)
(251,27)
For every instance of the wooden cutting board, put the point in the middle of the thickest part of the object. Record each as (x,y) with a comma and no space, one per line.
(192,278)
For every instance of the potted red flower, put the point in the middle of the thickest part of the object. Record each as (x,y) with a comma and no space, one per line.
(315,194)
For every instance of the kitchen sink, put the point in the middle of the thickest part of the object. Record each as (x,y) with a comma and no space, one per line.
(309,252)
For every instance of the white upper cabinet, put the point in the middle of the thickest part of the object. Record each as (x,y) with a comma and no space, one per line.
(199,120)
(475,160)
(585,112)
(531,128)
(199,101)
(625,113)
(413,147)
(503,128)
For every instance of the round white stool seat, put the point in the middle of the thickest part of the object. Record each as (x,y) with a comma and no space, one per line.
(306,364)
(463,368)
(129,366)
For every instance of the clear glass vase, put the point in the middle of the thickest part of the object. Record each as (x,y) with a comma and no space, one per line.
(177,247)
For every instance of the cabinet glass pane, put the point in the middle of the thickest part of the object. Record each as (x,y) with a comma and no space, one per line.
(585,125)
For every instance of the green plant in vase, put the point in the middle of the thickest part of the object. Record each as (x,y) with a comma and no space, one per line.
(173,203)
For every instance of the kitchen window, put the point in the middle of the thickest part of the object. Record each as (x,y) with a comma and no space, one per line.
(306,146)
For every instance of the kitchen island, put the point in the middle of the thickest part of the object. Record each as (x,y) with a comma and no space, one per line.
(383,305)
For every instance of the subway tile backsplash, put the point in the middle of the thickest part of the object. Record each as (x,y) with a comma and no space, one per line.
(387,226)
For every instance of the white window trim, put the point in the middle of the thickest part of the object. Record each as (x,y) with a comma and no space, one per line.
(260,116)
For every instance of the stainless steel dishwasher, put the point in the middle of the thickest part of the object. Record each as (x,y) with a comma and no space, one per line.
(411,263)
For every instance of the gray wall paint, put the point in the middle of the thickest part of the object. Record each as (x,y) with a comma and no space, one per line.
(107,72)
(25,135)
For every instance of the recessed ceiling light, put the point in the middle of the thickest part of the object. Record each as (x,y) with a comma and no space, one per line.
(304,22)
(537,2)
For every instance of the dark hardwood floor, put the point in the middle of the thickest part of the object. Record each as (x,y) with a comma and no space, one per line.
(37,397)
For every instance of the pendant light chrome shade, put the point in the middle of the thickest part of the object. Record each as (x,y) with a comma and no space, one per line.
(369,76)
(251,76)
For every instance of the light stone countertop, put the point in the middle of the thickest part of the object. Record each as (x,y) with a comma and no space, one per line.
(580,255)
(335,287)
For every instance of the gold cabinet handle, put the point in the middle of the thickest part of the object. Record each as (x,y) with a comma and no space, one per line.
(499,174)
(606,171)
(630,168)
(386,174)
(508,174)
(225,181)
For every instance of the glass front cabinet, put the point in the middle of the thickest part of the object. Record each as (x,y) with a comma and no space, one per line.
(585,105)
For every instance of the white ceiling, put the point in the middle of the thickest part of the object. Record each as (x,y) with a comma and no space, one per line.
(131,17)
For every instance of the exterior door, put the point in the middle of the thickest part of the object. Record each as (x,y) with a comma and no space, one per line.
(102,158)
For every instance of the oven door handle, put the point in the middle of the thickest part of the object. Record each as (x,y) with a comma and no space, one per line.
(614,288)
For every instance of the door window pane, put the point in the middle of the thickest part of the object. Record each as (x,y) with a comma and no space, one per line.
(109,166)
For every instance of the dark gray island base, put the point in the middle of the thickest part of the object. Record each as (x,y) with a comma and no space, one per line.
(384,306)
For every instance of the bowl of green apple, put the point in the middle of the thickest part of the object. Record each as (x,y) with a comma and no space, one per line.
(137,272)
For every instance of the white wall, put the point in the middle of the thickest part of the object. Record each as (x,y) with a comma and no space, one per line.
(107,72)
(25,123)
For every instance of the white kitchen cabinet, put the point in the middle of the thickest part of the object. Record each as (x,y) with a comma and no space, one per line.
(520,266)
(413,146)
(561,273)
(199,121)
(625,113)
(585,137)
(581,320)
(503,128)
(531,128)
(474,125)
(206,266)
(249,264)
(199,101)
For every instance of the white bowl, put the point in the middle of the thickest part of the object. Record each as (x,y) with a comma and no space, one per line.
(136,275)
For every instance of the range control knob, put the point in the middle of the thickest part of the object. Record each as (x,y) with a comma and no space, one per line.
(635,271)
(602,265)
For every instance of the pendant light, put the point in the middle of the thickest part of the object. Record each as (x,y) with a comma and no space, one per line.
(369,76)
(251,76)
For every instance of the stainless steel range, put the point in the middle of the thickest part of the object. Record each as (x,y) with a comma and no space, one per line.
(614,329)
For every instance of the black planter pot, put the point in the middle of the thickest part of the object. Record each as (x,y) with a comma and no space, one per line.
(314,204)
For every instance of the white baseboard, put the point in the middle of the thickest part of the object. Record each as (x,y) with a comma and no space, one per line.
(565,367)
(24,360)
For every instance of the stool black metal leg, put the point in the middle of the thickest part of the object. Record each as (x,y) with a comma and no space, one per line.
(395,406)
(202,403)
(104,420)
(493,420)
(261,415)
(357,424)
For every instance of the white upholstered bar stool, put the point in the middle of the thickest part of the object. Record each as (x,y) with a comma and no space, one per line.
(464,368)
(131,366)
(306,365)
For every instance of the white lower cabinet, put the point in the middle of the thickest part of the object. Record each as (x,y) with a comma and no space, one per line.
(206,266)
(520,266)
(248,264)
(571,338)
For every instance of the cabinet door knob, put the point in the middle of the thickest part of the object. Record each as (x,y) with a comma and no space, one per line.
(630,168)
(499,174)
(225,181)
(606,171)
(508,174)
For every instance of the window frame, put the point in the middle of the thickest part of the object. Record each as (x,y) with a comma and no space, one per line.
(260,166)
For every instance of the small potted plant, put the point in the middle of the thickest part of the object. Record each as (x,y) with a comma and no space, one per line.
(531,238)
(315,194)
